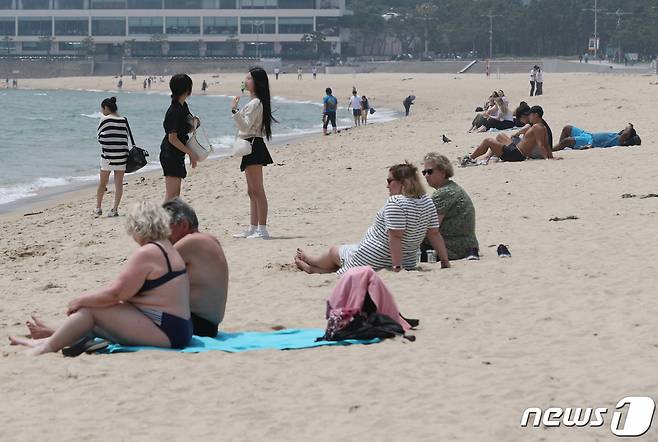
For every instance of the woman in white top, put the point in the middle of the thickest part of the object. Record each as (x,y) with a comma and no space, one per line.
(113,138)
(394,238)
(254,121)
(504,118)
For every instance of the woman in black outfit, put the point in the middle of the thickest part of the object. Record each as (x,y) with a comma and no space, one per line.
(254,122)
(178,123)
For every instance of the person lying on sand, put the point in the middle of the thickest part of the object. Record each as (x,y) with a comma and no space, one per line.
(206,266)
(147,304)
(207,271)
(394,238)
(537,138)
(580,139)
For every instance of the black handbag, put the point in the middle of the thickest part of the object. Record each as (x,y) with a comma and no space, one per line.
(136,155)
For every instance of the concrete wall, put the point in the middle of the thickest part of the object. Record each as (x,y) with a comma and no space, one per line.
(39,68)
(505,67)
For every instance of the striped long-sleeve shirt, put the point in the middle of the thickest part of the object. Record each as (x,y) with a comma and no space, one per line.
(113,138)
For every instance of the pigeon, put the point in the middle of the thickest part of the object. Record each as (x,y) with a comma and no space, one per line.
(446,139)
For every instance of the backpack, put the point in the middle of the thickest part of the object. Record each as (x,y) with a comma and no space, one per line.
(364,325)
(332,104)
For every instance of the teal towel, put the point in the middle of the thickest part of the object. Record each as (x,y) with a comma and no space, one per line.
(289,339)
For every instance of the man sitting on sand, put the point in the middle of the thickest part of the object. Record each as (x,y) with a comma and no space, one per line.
(206,267)
(580,139)
(537,138)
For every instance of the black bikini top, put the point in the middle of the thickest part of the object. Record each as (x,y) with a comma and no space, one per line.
(150,284)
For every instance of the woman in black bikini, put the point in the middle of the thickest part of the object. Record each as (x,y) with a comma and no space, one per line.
(148,303)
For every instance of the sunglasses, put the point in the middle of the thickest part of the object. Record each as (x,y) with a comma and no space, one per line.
(428,172)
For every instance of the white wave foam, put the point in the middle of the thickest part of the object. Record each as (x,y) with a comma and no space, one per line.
(20,191)
(95,115)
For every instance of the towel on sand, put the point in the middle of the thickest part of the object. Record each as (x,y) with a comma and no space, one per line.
(289,339)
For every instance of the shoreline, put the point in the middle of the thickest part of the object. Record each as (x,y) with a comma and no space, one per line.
(47,196)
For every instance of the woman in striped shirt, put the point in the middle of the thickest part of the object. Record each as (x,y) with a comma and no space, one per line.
(393,239)
(113,138)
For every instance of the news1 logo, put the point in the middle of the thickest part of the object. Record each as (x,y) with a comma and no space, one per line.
(637,420)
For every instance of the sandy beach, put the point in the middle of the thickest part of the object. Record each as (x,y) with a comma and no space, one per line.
(568,321)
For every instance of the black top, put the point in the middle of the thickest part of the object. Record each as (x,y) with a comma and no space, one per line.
(177,120)
(150,284)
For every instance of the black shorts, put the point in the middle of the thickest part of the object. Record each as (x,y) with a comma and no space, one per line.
(173,165)
(259,154)
(356,112)
(512,154)
(492,123)
(203,327)
(329,117)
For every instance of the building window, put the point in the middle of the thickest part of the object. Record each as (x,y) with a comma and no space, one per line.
(221,49)
(108,26)
(71,26)
(220,25)
(70,46)
(259,4)
(144,4)
(296,4)
(183,4)
(329,26)
(6,4)
(258,49)
(144,25)
(146,48)
(36,46)
(228,4)
(35,26)
(183,25)
(258,25)
(184,49)
(33,4)
(70,4)
(295,25)
(107,4)
(7,26)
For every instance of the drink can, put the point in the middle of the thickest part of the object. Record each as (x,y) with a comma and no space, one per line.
(431,256)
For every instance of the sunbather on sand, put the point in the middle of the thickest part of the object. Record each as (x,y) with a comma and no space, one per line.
(148,303)
(206,267)
(580,139)
(394,238)
(537,139)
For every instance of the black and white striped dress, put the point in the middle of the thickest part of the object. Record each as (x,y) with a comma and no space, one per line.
(113,138)
(413,215)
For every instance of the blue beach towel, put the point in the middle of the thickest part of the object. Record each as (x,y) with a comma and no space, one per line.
(289,339)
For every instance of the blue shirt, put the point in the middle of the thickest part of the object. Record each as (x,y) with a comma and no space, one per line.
(330,102)
(605,139)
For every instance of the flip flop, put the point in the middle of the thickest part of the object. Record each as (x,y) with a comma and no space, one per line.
(85,345)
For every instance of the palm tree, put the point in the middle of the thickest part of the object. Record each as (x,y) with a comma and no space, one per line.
(314,40)
(162,39)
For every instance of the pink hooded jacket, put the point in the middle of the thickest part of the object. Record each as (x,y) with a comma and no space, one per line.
(350,293)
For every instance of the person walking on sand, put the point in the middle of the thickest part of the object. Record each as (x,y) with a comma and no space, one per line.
(178,123)
(355,105)
(113,134)
(204,86)
(255,121)
(407,104)
(330,104)
(277,71)
(365,109)
(314,71)
(299,73)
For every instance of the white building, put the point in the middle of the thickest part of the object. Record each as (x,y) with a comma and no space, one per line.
(167,27)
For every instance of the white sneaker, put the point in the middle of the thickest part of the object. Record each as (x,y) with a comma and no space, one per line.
(259,234)
(97,212)
(113,213)
(246,234)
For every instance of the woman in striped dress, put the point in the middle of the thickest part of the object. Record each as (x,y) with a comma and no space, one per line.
(394,238)
(113,138)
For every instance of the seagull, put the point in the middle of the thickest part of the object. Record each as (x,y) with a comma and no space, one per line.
(446,139)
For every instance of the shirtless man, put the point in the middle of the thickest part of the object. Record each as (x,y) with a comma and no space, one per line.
(207,270)
(536,139)
(579,139)
(206,267)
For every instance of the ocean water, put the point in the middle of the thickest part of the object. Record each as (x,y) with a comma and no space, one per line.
(49,137)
